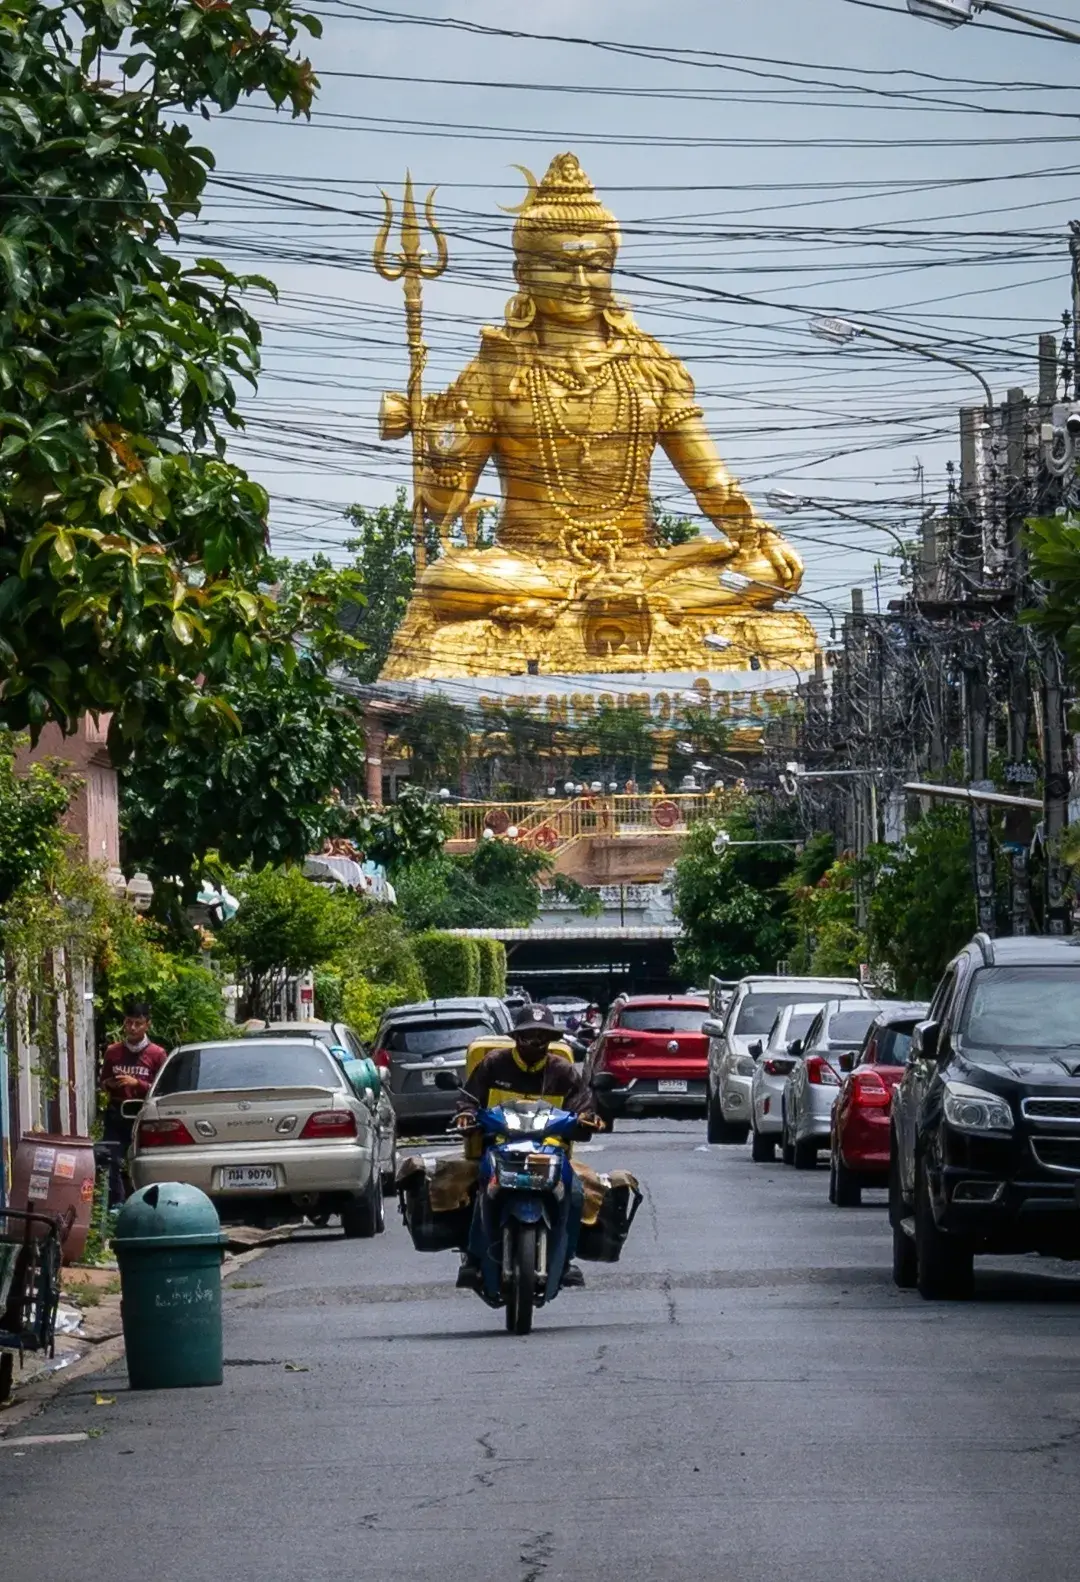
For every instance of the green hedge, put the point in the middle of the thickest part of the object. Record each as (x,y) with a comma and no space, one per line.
(492,966)
(450,964)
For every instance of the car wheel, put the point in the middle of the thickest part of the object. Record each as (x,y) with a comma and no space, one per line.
(832,1178)
(945,1265)
(804,1154)
(904,1268)
(365,1217)
(847,1187)
(718,1130)
(762,1148)
(787,1147)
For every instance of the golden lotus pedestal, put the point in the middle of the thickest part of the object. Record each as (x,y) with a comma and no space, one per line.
(605,637)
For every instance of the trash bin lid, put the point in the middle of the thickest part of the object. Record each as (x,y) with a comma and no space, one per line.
(169,1213)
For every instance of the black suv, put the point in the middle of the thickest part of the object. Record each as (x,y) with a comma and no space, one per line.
(985,1123)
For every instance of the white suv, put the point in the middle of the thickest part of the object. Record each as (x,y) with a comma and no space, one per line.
(747,1021)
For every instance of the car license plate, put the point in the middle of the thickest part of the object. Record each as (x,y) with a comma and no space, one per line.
(248,1178)
(672,1085)
(427,1078)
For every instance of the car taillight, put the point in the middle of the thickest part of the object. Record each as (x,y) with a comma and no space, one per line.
(778,1068)
(162,1133)
(381,1058)
(869,1091)
(329,1123)
(820,1073)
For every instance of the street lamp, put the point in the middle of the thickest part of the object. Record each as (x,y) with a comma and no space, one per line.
(789,504)
(723,841)
(719,643)
(737,582)
(954,13)
(841,332)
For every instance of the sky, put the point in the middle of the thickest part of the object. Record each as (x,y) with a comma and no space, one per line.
(768,160)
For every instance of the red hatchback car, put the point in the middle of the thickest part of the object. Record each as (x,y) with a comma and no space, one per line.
(860,1118)
(655,1049)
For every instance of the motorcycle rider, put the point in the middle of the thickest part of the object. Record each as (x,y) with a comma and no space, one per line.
(527,1071)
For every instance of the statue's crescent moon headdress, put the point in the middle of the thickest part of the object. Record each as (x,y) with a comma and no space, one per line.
(564,201)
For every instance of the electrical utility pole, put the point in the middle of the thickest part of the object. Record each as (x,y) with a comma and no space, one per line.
(1057,911)
(974,512)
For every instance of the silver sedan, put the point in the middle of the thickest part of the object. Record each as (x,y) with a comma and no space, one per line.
(811,1089)
(775,1063)
(269,1129)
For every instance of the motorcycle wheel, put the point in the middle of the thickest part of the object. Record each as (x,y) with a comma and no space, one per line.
(521,1297)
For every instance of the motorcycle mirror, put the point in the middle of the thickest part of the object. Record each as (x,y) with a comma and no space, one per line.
(447,1081)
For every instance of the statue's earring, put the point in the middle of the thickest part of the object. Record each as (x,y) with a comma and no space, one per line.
(520,311)
(618,316)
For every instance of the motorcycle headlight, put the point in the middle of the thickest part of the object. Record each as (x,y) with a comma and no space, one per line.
(975,1110)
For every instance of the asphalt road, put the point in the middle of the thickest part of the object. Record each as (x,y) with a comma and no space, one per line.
(745,1396)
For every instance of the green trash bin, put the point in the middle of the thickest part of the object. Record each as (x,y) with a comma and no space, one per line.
(169,1246)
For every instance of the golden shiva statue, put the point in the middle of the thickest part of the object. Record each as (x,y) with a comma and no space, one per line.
(570,399)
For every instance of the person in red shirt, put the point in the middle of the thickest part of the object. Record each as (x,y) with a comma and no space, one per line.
(127,1072)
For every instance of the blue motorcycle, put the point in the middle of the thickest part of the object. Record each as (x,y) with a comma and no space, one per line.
(528,1206)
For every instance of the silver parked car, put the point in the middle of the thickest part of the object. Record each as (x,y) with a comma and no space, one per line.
(775,1063)
(747,1021)
(267,1128)
(828,1049)
(345,1045)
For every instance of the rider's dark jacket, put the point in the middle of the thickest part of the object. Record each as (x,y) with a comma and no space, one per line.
(503,1075)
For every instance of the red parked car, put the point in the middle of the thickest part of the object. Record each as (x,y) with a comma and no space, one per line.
(860,1119)
(655,1049)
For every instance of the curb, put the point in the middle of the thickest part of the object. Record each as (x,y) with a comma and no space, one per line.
(35,1396)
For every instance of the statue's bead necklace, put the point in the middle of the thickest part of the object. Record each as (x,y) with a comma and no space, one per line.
(591,531)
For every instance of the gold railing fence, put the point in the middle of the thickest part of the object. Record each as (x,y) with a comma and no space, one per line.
(552,824)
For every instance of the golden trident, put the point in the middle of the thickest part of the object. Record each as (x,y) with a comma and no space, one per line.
(411,268)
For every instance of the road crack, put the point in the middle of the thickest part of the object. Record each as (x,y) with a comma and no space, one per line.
(535,1554)
(669,1300)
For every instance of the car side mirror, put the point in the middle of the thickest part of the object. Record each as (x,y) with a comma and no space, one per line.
(603,1082)
(925,1040)
(447,1081)
(757,1049)
(131,1109)
(795,1048)
(847,1062)
(712,1029)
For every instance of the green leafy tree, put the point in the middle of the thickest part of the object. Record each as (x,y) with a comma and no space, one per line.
(269,792)
(384,552)
(284,923)
(495,886)
(923,904)
(671,529)
(517,746)
(616,744)
(31,808)
(438,740)
(731,903)
(406,832)
(375,969)
(1053,545)
(130,546)
(823,903)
